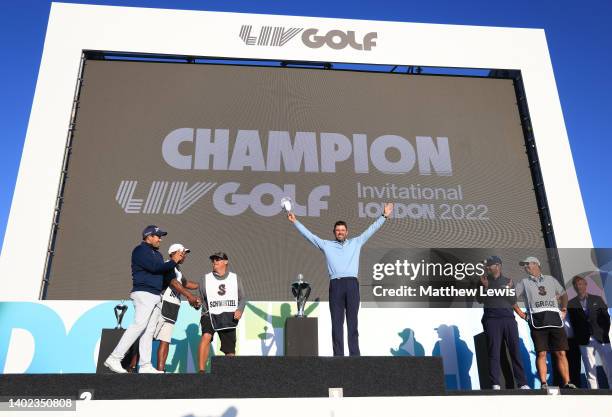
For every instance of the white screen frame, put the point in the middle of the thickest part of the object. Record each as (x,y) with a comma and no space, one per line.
(73,28)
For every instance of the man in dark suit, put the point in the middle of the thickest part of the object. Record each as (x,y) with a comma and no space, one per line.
(590,321)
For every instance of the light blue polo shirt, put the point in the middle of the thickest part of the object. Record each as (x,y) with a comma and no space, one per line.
(342,258)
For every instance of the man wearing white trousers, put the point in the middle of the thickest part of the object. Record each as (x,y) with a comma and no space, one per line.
(148,270)
(591,324)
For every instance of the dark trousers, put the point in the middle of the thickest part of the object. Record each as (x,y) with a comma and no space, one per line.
(344,298)
(574,362)
(499,330)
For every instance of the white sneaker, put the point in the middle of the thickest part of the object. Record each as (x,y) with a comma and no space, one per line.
(496,387)
(525,387)
(114,365)
(148,369)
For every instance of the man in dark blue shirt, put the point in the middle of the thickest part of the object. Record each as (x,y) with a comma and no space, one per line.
(499,324)
(148,269)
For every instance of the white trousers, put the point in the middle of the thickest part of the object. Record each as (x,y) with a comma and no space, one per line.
(588,358)
(145,320)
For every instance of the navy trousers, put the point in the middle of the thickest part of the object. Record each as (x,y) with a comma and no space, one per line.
(344,299)
(499,330)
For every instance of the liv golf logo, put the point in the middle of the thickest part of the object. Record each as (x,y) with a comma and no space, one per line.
(279,36)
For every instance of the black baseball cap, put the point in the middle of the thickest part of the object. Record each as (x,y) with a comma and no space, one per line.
(492,260)
(218,255)
(153,230)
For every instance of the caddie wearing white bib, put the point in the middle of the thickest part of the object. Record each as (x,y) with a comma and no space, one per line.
(223,302)
(175,285)
(543,294)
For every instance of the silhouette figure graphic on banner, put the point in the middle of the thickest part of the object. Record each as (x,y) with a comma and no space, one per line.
(408,346)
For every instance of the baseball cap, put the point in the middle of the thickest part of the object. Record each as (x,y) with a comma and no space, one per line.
(175,247)
(153,230)
(529,259)
(492,260)
(218,255)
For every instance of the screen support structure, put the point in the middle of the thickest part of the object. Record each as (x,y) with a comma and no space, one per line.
(62,183)
(548,233)
(516,76)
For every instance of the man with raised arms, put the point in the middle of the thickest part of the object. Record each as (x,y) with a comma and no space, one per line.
(342,257)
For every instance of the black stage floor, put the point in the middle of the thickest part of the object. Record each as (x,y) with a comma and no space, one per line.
(261,377)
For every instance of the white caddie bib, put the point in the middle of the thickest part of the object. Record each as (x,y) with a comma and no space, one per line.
(171,303)
(543,311)
(222,298)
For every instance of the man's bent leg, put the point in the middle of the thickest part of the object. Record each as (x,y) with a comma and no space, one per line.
(203,351)
(144,303)
(162,355)
(146,340)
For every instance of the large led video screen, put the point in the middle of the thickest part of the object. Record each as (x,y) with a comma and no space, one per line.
(207,152)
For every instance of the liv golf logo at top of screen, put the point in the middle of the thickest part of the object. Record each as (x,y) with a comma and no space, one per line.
(312,38)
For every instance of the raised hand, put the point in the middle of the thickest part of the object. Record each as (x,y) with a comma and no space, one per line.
(178,256)
(388,209)
(291,217)
(484,280)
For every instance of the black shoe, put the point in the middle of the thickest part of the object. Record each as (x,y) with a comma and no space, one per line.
(569,385)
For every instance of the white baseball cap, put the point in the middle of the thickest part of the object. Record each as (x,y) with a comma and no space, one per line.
(175,247)
(529,259)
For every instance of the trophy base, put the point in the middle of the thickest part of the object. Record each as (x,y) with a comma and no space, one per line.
(108,341)
(302,336)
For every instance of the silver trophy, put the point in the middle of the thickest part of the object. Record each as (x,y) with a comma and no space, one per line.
(286,204)
(120,310)
(301,291)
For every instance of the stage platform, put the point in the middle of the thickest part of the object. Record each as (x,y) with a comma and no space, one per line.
(250,377)
(262,377)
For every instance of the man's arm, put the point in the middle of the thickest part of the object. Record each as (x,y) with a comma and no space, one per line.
(562,297)
(363,238)
(241,301)
(191,285)
(605,316)
(482,282)
(520,295)
(146,259)
(202,290)
(520,289)
(520,312)
(312,238)
(193,301)
(512,299)
(563,301)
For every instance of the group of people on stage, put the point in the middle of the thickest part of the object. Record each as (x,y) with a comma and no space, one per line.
(158,286)
(156,291)
(548,312)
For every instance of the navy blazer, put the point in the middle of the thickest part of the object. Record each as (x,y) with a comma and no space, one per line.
(596,324)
